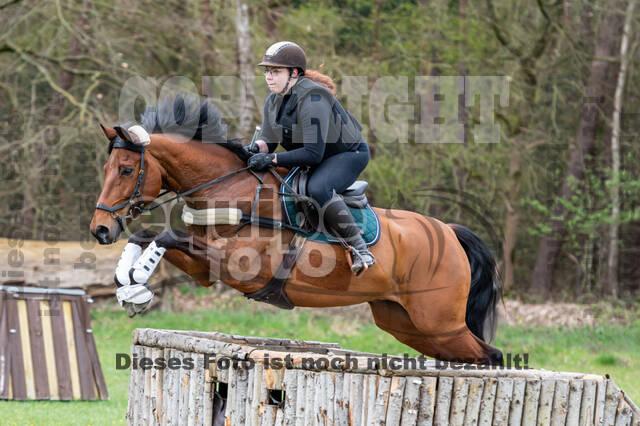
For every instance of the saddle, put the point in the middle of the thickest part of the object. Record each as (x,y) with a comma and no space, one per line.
(354,196)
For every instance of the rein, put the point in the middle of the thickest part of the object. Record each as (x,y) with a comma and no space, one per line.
(136,203)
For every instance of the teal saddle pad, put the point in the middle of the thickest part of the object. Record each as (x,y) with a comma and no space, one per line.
(365,218)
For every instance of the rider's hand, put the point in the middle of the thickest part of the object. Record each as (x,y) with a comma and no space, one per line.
(261,161)
(258,146)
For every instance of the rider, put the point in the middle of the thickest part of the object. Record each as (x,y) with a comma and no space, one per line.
(304,116)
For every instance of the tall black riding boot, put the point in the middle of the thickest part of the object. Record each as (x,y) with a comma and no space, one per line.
(339,222)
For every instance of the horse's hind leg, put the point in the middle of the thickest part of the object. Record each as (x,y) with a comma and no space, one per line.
(457,345)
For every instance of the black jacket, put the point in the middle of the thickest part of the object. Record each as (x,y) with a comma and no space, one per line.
(310,124)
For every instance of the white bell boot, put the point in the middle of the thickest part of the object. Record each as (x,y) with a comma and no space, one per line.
(146,264)
(134,298)
(129,255)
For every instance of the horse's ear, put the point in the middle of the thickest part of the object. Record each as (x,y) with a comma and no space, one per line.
(108,132)
(123,133)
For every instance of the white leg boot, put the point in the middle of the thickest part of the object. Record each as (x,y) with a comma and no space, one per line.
(135,296)
(146,264)
(129,255)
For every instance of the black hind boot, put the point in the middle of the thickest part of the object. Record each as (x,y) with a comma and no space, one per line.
(339,222)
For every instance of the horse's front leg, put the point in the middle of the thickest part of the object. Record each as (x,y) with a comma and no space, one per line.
(136,266)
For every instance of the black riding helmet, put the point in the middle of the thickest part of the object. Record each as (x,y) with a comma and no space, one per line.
(285,54)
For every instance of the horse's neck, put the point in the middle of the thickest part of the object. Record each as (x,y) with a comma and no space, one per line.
(187,165)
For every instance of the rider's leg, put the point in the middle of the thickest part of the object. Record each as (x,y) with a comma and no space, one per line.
(334,175)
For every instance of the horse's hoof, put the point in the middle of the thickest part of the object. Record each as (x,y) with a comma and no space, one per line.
(135,308)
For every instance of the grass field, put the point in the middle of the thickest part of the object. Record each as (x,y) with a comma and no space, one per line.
(605,349)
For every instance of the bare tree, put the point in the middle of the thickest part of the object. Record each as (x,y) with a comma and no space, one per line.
(607,45)
(612,261)
(244,67)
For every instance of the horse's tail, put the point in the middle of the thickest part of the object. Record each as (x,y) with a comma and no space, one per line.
(482,303)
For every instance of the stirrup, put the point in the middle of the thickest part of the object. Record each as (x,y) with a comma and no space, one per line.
(354,266)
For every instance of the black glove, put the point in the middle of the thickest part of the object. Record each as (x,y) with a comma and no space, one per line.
(251,150)
(261,161)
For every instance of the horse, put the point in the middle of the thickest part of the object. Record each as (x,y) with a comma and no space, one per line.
(434,287)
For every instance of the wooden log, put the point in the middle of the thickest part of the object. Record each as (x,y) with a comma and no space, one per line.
(174,389)
(156,386)
(503,401)
(459,401)
(623,414)
(545,403)
(207,397)
(612,399)
(588,403)
(183,389)
(146,402)
(382,398)
(279,417)
(371,393)
(301,397)
(133,396)
(284,344)
(251,378)
(517,401)
(244,394)
(474,399)
(268,416)
(319,401)
(340,414)
(197,389)
(290,385)
(329,385)
(443,400)
(356,397)
(396,394)
(411,400)
(575,398)
(427,405)
(531,399)
(258,395)
(488,402)
(600,401)
(189,344)
(560,403)
(309,379)
(346,402)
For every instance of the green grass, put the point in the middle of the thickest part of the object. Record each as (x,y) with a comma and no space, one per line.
(610,349)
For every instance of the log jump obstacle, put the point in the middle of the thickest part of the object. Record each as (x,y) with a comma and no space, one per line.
(47,350)
(233,381)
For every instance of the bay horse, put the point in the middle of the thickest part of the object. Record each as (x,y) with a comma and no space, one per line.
(434,286)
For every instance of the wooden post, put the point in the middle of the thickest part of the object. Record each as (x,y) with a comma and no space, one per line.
(488,401)
(474,399)
(459,401)
(517,401)
(503,399)
(411,400)
(427,404)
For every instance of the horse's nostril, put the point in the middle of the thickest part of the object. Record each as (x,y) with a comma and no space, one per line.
(102,234)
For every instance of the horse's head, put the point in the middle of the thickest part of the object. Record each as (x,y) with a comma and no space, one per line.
(132,179)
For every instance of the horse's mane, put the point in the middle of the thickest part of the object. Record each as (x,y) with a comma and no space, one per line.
(189,115)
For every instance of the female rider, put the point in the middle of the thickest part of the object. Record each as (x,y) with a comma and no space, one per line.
(316,132)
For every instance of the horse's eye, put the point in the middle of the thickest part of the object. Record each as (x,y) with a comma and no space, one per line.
(126,171)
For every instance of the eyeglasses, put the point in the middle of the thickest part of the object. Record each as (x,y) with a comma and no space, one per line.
(272,71)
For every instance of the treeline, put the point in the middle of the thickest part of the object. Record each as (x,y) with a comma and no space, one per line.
(543,193)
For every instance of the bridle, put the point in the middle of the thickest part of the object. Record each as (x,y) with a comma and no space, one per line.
(135,202)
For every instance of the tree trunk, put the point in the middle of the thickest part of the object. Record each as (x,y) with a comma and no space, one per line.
(612,262)
(43,152)
(244,67)
(549,246)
